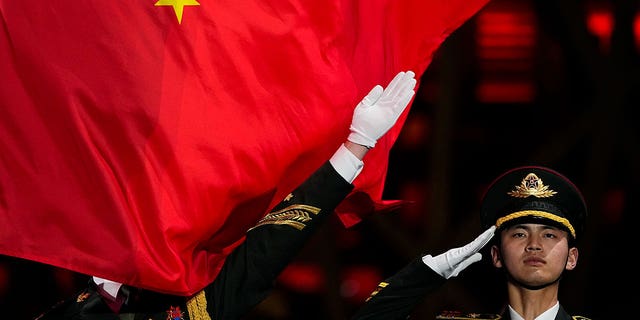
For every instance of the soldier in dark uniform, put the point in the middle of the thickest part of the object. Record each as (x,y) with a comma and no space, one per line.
(250,270)
(537,215)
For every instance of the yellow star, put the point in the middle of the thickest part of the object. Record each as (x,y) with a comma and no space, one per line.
(178,6)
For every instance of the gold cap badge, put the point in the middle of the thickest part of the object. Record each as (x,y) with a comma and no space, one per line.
(531,185)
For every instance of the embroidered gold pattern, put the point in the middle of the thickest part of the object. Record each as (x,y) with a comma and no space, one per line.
(527,213)
(197,307)
(531,185)
(381,286)
(288,197)
(457,315)
(82,297)
(296,216)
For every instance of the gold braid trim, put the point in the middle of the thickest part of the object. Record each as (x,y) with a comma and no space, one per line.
(296,216)
(197,307)
(381,286)
(536,213)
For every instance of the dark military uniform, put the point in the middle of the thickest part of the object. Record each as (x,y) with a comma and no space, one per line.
(562,315)
(396,297)
(525,194)
(248,273)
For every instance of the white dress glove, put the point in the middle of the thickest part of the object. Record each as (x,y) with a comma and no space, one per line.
(452,262)
(380,109)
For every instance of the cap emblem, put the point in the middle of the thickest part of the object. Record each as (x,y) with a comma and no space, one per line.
(531,185)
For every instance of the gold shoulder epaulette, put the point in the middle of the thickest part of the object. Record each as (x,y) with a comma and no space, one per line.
(580,318)
(457,315)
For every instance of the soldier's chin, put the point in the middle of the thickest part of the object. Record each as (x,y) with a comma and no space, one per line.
(533,286)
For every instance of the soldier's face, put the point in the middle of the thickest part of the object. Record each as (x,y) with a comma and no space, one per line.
(534,255)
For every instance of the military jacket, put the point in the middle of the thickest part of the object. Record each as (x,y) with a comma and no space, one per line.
(397,296)
(248,273)
(453,315)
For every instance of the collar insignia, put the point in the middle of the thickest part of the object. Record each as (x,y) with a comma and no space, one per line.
(174,313)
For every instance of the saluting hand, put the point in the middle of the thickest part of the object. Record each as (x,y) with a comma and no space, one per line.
(452,262)
(380,109)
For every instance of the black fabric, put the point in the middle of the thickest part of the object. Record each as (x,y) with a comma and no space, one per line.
(399,294)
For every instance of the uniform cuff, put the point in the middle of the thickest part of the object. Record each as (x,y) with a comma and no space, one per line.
(111,287)
(346,163)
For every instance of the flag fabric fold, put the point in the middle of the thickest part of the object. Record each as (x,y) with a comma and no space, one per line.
(138,142)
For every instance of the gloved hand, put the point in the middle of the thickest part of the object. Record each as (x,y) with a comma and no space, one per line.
(452,262)
(380,109)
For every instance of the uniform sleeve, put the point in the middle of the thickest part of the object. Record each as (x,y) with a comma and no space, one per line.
(250,270)
(397,296)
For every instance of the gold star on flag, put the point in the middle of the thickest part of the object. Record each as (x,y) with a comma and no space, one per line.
(178,6)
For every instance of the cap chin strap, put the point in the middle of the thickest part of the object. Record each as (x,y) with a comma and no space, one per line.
(536,213)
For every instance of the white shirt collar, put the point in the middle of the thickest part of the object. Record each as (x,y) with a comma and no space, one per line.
(547,315)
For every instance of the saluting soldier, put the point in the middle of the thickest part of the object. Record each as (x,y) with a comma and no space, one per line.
(250,270)
(537,215)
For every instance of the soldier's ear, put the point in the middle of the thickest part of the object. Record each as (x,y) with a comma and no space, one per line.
(572,259)
(496,256)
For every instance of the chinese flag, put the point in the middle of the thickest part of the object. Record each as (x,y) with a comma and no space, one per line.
(139,140)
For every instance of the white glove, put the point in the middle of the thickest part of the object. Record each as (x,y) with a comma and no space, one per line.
(452,262)
(380,109)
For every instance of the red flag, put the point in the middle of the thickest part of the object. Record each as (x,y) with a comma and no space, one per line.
(140,140)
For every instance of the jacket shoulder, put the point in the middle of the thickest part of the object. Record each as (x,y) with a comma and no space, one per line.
(580,318)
